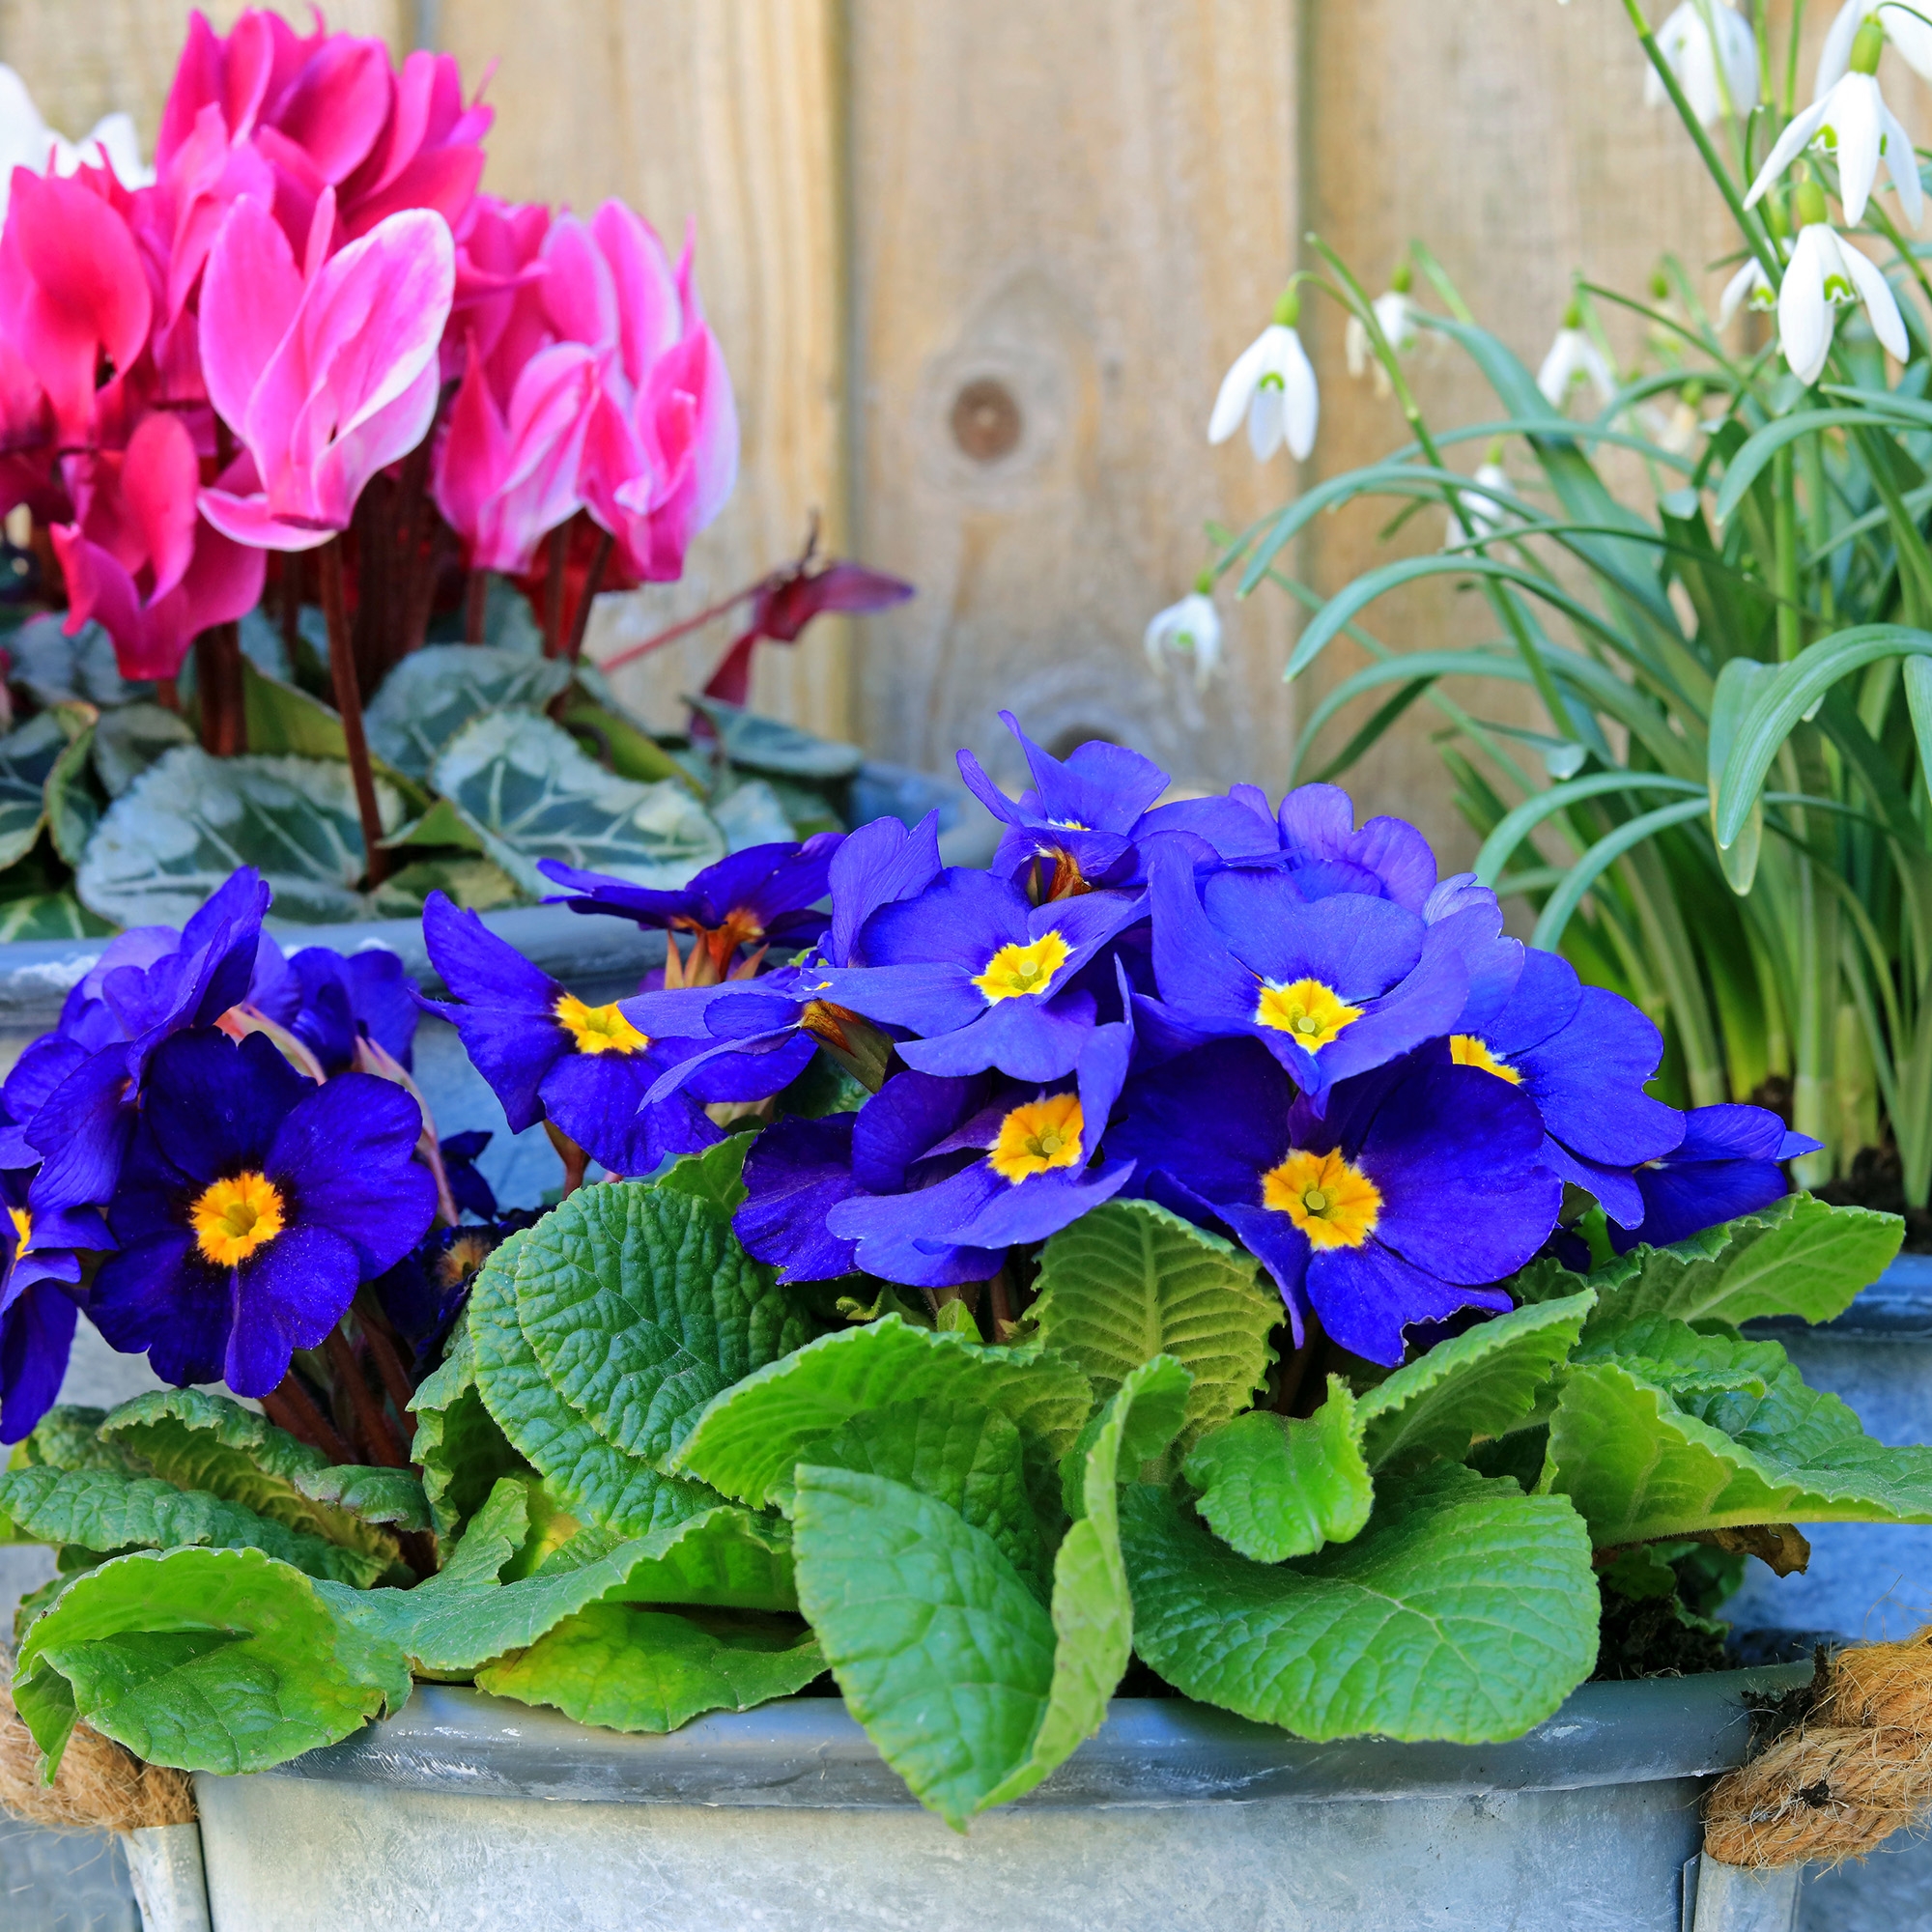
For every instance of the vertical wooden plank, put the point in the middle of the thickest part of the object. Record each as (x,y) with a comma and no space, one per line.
(1067,222)
(85,58)
(728,115)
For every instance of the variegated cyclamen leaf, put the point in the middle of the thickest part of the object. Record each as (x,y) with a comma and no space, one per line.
(28,757)
(769,745)
(529,792)
(435,691)
(49,915)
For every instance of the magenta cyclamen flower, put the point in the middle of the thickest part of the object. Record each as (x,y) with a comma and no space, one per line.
(327,369)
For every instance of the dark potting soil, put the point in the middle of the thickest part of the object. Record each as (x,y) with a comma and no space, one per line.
(1649,1639)
(1875,1181)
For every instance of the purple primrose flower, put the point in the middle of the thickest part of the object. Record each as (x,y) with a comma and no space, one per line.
(1726,1164)
(37,1314)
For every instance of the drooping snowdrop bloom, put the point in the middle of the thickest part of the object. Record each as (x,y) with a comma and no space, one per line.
(1828,273)
(1481,514)
(1749,287)
(26,141)
(1190,628)
(1272,387)
(1712,53)
(1906,27)
(1852,122)
(1395,317)
(1573,361)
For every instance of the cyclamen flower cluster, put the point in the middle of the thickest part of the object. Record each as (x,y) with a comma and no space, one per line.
(213,365)
(216,1146)
(1273,1022)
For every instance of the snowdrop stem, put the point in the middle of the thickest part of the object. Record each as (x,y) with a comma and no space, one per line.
(349,708)
(1790,100)
(1784,547)
(1877,216)
(1355,299)
(1753,230)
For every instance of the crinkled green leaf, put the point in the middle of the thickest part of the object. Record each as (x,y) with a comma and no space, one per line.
(747,1442)
(1129,1281)
(590,1475)
(1662,1431)
(180,829)
(767,745)
(1801,1256)
(628,1670)
(370,1494)
(462,1616)
(530,792)
(717,1175)
(459,1446)
(1275,1485)
(1479,1383)
(28,757)
(132,739)
(1466,1611)
(207,1659)
(639,1306)
(201,1441)
(435,691)
(49,915)
(68,1437)
(101,1509)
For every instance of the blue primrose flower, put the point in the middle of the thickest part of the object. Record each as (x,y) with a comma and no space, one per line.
(1726,1164)
(767,895)
(251,1206)
(983,976)
(1081,818)
(1315,840)
(752,1038)
(37,1314)
(75,1090)
(1582,1054)
(548,1055)
(1420,1186)
(934,1177)
(331,1003)
(1332,987)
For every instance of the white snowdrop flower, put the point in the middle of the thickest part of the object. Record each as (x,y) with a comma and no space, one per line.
(1852,122)
(1271,385)
(1750,286)
(1190,628)
(1901,25)
(1713,52)
(1573,361)
(1395,317)
(1482,515)
(26,141)
(1827,274)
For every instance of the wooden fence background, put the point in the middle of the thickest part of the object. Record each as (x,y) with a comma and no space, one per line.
(977,267)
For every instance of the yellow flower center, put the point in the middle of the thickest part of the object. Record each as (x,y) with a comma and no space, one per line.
(1037,1137)
(598,1029)
(233,1218)
(1336,1205)
(23,1229)
(1311,1013)
(1018,969)
(1466,1050)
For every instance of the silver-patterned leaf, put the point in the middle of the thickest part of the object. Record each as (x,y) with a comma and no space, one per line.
(27,757)
(131,738)
(750,814)
(185,825)
(776,749)
(48,916)
(435,691)
(55,669)
(530,792)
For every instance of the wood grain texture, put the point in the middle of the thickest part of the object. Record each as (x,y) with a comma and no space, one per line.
(728,115)
(1092,205)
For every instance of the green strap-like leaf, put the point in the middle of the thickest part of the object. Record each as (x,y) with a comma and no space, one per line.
(1129,1281)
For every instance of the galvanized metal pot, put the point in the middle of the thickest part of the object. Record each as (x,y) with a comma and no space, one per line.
(469,1810)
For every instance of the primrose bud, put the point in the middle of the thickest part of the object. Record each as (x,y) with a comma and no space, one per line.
(1287,307)
(1807,204)
(1866,46)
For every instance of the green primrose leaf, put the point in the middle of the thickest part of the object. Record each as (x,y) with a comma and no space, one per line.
(435,691)
(748,1440)
(101,1509)
(1480,1384)
(458,1447)
(68,1437)
(207,1659)
(628,1670)
(529,792)
(1801,1256)
(589,1474)
(1129,1281)
(465,1615)
(1662,1431)
(1275,1485)
(1466,1611)
(200,1441)
(184,825)
(717,1175)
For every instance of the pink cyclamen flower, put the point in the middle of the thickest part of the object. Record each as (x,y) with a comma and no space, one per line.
(140,560)
(327,371)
